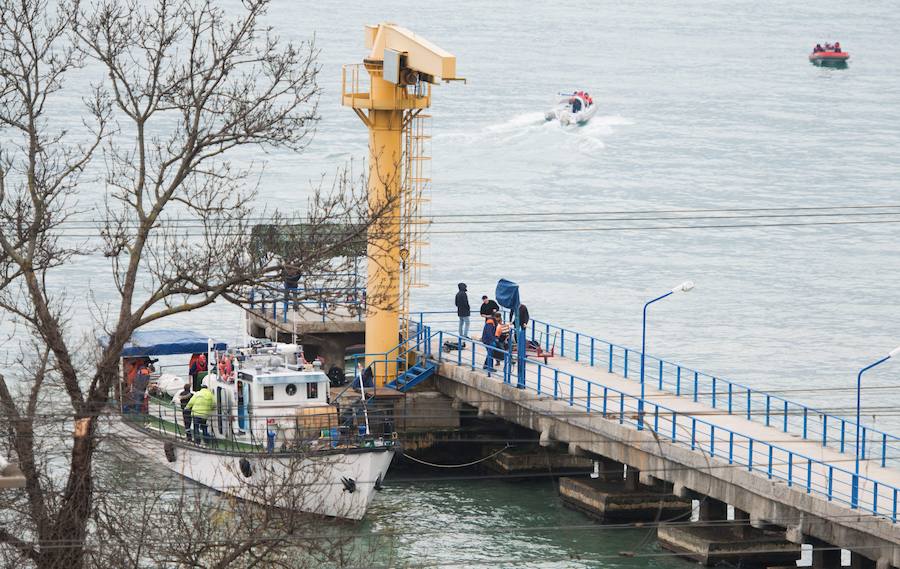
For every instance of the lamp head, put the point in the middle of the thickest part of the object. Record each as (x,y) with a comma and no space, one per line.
(894,353)
(684,287)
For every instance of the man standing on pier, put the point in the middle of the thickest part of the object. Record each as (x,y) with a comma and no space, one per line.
(463,311)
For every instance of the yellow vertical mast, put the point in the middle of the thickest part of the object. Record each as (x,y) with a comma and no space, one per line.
(387,91)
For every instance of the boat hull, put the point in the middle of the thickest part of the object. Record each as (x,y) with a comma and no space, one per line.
(336,482)
(829,59)
(566,117)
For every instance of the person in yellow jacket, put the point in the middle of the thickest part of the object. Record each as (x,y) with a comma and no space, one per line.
(201,407)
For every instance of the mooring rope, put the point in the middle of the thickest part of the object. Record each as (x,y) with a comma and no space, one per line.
(426,463)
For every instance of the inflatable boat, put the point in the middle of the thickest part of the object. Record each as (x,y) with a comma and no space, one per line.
(572,108)
(833,58)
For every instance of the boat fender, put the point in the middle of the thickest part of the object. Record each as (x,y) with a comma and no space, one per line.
(245,467)
(169,450)
(349,484)
(379,485)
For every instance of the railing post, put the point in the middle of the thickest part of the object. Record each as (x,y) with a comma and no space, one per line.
(626,363)
(862,445)
(831,482)
(473,354)
(588,403)
(750,454)
(730,447)
(562,342)
(804,422)
(621,408)
(678,381)
(656,418)
(610,358)
(693,433)
(605,396)
(539,366)
(696,386)
(768,406)
(674,420)
(714,392)
(894,514)
(825,430)
(459,350)
(592,351)
(712,441)
(547,336)
(660,375)
(785,416)
(771,451)
(571,390)
(883,449)
(790,480)
(533,325)
(843,428)
(441,344)
(749,400)
(577,344)
(555,384)
(874,496)
(729,398)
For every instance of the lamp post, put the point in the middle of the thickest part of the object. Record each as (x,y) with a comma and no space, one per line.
(683,287)
(854,498)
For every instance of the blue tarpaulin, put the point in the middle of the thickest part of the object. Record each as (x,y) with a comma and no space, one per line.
(166,343)
(507,294)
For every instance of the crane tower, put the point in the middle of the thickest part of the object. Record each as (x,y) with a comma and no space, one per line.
(389,91)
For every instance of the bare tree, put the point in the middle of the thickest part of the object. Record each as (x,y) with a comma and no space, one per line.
(186,87)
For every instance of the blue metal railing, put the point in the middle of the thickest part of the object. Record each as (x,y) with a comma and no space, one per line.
(791,417)
(775,462)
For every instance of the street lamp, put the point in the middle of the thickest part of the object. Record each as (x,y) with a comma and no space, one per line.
(683,287)
(854,498)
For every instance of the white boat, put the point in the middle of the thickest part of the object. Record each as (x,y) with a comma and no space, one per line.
(565,109)
(276,439)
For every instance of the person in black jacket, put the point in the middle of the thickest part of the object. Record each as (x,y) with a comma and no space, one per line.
(488,307)
(463,311)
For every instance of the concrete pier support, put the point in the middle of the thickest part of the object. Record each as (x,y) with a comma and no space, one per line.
(538,461)
(713,539)
(825,555)
(620,501)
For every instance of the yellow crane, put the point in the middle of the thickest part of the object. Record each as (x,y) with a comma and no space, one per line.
(388,91)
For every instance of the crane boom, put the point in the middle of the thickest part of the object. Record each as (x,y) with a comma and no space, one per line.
(422,56)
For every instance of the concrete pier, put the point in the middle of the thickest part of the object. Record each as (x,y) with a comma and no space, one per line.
(620,501)
(711,544)
(536,461)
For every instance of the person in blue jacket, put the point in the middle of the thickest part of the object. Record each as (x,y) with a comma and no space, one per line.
(488,337)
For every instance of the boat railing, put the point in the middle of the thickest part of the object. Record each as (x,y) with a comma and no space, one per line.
(260,434)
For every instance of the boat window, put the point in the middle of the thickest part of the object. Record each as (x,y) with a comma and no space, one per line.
(268,393)
(312,390)
(290,389)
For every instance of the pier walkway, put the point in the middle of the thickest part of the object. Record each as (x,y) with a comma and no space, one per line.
(784,463)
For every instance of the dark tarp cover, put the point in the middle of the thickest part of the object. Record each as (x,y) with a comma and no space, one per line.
(507,294)
(165,343)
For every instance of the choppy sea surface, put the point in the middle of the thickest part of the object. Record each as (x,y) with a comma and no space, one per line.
(703,105)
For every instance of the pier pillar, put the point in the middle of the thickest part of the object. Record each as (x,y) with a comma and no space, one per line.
(825,555)
(632,479)
(712,510)
(611,470)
